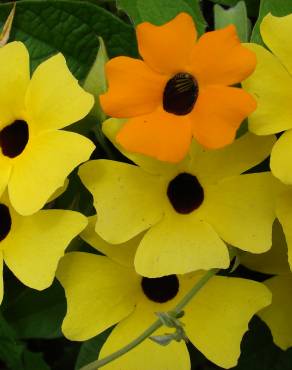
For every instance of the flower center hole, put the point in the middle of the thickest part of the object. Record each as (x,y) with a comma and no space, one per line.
(180,94)
(13,138)
(160,289)
(185,193)
(5,221)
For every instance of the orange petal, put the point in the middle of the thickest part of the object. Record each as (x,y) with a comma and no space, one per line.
(219,58)
(160,135)
(218,114)
(134,89)
(166,49)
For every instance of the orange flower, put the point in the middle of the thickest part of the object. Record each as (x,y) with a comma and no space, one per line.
(180,89)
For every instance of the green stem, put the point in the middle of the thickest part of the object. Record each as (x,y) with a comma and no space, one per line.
(156,325)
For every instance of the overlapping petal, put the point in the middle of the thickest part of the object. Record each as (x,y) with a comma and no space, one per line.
(270,84)
(134,89)
(219,58)
(43,168)
(278,315)
(99,293)
(161,135)
(241,210)
(36,243)
(14,75)
(180,244)
(281,158)
(218,113)
(166,49)
(127,199)
(54,99)
(218,316)
(276,33)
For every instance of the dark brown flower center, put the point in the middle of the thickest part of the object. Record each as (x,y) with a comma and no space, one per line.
(185,193)
(5,221)
(13,138)
(160,289)
(180,94)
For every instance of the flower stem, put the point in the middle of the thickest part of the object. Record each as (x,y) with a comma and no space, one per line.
(156,325)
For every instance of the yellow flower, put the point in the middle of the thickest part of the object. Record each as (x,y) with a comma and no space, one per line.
(271,85)
(31,246)
(186,208)
(181,89)
(102,292)
(278,315)
(35,155)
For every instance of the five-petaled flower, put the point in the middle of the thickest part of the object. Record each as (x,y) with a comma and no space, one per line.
(180,90)
(102,292)
(35,156)
(189,208)
(31,246)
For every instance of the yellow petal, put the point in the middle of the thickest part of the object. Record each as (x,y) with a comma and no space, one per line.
(43,167)
(180,244)
(281,158)
(148,355)
(243,154)
(284,214)
(278,315)
(217,318)
(5,172)
(271,86)
(99,293)
(14,77)
(274,261)
(35,244)
(276,32)
(121,253)
(241,210)
(54,99)
(59,191)
(127,200)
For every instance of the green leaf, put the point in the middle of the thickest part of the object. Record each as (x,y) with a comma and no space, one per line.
(35,314)
(276,7)
(237,16)
(48,27)
(96,82)
(34,361)
(252,5)
(90,349)
(159,12)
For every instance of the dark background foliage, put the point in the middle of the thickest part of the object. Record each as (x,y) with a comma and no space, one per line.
(30,321)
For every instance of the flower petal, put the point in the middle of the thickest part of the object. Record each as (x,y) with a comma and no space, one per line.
(241,210)
(166,49)
(134,89)
(278,315)
(217,318)
(43,167)
(112,126)
(284,214)
(281,158)
(180,244)
(234,159)
(35,244)
(125,197)
(14,76)
(276,33)
(218,113)
(161,135)
(99,293)
(219,58)
(148,355)
(274,261)
(270,85)
(54,99)
(121,253)
(5,173)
